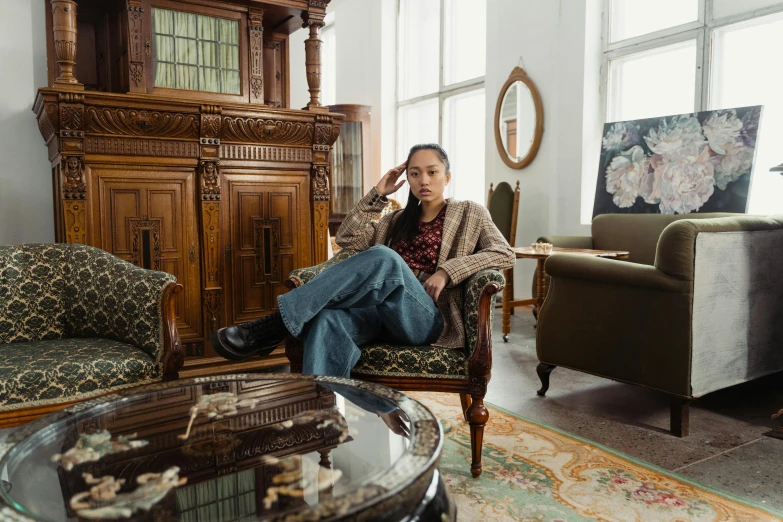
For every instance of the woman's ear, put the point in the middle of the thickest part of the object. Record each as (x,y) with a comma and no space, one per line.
(448,177)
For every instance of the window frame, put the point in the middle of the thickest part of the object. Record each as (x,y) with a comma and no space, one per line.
(444,91)
(701,30)
(240,14)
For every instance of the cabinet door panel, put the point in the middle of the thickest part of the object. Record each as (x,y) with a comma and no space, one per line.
(263,214)
(146,216)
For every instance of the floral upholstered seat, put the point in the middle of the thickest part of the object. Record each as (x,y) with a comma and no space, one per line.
(75,322)
(430,368)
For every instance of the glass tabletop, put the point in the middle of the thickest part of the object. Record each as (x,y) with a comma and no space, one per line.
(240,447)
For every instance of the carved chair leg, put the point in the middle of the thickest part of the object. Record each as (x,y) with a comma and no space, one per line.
(679,418)
(510,287)
(464,398)
(543,370)
(294,350)
(477,417)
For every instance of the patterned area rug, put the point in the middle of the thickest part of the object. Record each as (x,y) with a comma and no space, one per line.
(540,474)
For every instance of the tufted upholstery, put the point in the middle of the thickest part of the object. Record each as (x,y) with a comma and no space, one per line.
(76,320)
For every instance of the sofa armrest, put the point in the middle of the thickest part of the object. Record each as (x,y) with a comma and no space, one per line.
(108,297)
(300,276)
(610,271)
(567,241)
(480,290)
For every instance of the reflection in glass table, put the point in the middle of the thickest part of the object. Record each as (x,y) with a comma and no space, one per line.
(239,447)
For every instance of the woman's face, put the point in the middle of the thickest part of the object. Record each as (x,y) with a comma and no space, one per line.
(427,175)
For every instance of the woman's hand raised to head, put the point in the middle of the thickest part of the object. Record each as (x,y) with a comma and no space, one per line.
(391,181)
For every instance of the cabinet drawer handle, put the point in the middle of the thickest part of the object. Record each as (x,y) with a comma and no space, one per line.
(192,254)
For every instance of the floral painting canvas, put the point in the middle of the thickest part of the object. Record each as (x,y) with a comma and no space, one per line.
(699,162)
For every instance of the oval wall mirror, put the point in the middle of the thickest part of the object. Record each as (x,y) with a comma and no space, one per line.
(519,120)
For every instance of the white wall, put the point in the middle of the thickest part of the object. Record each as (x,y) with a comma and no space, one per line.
(26,214)
(550,39)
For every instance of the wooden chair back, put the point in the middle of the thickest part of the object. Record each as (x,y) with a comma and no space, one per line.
(503,206)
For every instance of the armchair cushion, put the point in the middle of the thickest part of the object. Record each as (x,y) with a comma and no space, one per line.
(408,361)
(70,369)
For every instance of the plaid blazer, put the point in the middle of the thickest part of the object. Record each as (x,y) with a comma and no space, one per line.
(471,242)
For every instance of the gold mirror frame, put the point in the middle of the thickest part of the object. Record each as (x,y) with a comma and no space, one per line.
(519,74)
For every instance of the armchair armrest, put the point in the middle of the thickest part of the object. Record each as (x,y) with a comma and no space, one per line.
(560,242)
(478,306)
(111,298)
(609,271)
(301,276)
(568,241)
(676,252)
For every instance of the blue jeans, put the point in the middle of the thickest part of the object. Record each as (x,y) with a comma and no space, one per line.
(372,295)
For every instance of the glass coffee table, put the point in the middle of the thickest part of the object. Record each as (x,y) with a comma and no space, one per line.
(235,447)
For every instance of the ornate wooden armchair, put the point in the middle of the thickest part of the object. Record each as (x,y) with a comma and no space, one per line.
(427,368)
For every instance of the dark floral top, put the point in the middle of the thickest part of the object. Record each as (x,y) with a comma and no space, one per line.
(421,252)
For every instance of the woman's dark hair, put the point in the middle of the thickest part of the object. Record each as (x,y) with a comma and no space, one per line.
(407,225)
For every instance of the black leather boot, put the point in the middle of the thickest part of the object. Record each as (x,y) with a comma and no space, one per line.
(248,339)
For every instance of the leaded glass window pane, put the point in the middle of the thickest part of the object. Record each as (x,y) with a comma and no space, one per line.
(196,52)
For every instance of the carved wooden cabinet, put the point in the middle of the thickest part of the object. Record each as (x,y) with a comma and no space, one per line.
(172,146)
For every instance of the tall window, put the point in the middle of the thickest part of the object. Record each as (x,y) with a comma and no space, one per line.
(667,57)
(441,62)
(195,52)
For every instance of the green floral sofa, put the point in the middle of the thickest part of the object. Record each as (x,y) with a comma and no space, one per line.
(76,322)
(427,368)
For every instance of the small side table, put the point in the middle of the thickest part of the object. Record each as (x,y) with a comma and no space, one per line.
(541,288)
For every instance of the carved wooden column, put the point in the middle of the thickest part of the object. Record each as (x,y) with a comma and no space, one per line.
(313,58)
(326,132)
(65,33)
(210,188)
(256,17)
(320,208)
(72,169)
(136,47)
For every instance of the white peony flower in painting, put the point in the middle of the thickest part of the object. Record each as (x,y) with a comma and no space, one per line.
(722,130)
(621,136)
(680,131)
(684,179)
(624,176)
(736,163)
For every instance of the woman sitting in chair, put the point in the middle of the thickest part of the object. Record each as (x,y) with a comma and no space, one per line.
(404,284)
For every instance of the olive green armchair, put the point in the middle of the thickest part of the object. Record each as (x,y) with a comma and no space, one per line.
(702,315)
